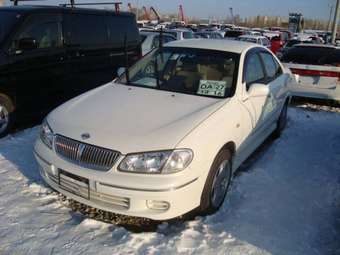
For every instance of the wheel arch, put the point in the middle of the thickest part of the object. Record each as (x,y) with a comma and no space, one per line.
(10,98)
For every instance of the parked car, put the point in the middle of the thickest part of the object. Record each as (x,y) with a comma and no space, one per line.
(209,35)
(151,40)
(51,54)
(262,40)
(288,45)
(180,33)
(316,70)
(171,130)
(276,44)
(233,34)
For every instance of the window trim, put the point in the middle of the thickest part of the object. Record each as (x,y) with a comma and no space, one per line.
(277,74)
(254,51)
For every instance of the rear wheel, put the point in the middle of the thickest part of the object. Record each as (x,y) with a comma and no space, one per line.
(6,115)
(217,183)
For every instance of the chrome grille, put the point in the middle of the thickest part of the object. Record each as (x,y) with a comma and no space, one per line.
(85,155)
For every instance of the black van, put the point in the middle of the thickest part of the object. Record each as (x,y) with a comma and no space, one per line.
(51,54)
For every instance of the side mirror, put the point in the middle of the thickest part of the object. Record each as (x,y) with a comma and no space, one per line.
(258,90)
(120,71)
(27,44)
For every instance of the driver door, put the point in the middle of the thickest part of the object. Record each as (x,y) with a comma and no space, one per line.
(37,72)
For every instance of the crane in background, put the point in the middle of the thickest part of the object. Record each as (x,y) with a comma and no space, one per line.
(130,7)
(146,13)
(181,14)
(232,15)
(156,14)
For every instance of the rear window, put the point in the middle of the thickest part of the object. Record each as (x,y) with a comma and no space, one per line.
(7,20)
(312,56)
(291,43)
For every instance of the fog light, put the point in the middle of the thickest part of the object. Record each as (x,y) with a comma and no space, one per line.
(157,205)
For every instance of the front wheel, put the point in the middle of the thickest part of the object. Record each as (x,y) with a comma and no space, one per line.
(217,183)
(6,115)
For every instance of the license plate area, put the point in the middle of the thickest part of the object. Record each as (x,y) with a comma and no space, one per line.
(74,184)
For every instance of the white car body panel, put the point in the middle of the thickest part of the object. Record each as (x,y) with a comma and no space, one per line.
(315,86)
(131,119)
(153,119)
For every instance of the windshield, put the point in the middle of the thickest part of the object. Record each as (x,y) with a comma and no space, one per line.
(7,19)
(185,70)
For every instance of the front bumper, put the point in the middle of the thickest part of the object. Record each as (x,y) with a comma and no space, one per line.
(157,197)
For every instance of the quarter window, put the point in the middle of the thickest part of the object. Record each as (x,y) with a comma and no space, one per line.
(254,70)
(269,65)
(79,27)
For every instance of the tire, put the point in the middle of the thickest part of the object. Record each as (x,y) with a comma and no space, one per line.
(212,198)
(6,115)
(282,121)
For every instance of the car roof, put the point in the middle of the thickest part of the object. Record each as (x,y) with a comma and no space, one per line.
(252,36)
(218,44)
(24,9)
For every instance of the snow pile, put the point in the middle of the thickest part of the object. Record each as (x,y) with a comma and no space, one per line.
(284,200)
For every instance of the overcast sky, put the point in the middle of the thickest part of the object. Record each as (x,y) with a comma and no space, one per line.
(220,8)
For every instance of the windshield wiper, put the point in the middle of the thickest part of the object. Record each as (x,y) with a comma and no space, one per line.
(157,72)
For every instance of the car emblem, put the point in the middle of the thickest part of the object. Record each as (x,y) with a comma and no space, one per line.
(85,136)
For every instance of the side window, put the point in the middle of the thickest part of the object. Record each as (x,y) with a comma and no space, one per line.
(78,27)
(121,26)
(273,68)
(253,71)
(46,34)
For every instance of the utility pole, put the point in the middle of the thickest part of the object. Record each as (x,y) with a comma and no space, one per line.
(330,17)
(137,11)
(336,21)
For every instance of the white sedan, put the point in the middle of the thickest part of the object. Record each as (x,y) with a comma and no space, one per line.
(165,137)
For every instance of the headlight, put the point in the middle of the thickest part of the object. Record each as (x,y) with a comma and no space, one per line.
(46,134)
(165,162)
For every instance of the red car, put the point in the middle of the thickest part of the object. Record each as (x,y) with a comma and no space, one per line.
(277,44)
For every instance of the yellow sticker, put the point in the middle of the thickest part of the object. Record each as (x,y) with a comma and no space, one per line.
(212,88)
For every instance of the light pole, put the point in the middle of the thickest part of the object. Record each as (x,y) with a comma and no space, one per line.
(336,20)
(330,17)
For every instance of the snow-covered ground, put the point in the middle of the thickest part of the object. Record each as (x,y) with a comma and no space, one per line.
(285,200)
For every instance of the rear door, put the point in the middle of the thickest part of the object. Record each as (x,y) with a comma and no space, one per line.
(38,73)
(88,51)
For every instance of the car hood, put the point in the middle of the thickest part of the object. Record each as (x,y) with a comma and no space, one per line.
(132,119)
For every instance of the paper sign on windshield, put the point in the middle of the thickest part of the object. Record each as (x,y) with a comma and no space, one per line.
(212,88)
